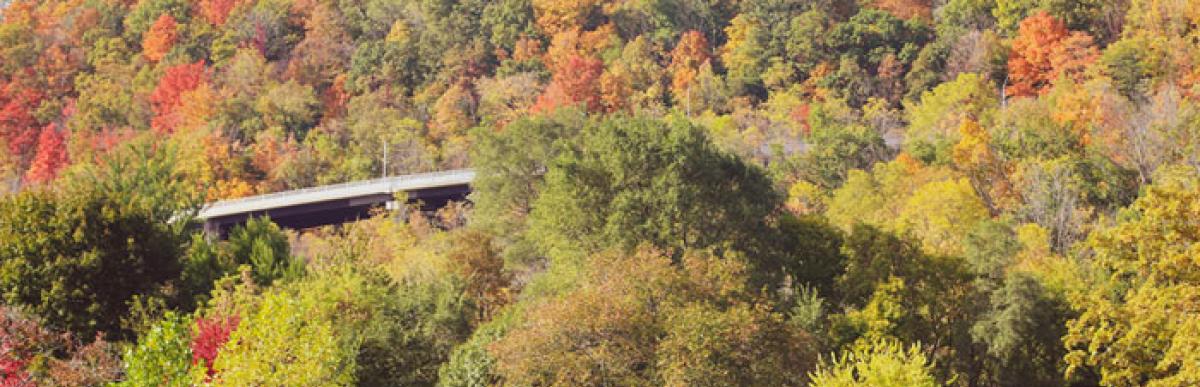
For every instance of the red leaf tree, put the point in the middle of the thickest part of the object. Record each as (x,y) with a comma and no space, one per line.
(211,333)
(18,126)
(166,98)
(21,339)
(51,156)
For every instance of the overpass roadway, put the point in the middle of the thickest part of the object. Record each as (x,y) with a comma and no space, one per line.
(338,203)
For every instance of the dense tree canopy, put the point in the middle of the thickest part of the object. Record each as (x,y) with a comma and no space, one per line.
(80,259)
(638,180)
(1148,266)
(667,192)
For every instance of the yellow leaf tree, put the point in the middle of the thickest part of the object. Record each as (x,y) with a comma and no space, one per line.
(1140,320)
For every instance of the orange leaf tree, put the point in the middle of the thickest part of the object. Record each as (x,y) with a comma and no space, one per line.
(217,11)
(686,59)
(1030,65)
(1043,51)
(161,37)
(1073,56)
(574,81)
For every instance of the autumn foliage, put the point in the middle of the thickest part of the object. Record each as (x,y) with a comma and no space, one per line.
(161,37)
(1045,50)
(689,54)
(20,338)
(574,82)
(1031,63)
(50,158)
(166,99)
(18,126)
(217,11)
(33,354)
(907,9)
(210,334)
(973,188)
(556,16)
(1073,56)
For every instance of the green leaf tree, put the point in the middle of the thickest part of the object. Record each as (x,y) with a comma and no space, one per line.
(261,244)
(163,356)
(77,260)
(641,180)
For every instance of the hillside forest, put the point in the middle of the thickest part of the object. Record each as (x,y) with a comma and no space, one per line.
(669,192)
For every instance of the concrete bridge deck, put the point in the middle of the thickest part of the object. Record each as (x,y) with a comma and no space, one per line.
(338,203)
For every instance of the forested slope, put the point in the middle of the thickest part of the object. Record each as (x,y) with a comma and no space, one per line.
(669,192)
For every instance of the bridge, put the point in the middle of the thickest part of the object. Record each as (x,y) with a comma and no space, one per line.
(338,203)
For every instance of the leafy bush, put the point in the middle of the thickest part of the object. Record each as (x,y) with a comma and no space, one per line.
(31,354)
(208,337)
(880,364)
(162,356)
(285,341)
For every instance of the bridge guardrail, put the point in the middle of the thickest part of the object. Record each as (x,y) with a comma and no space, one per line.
(389,183)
